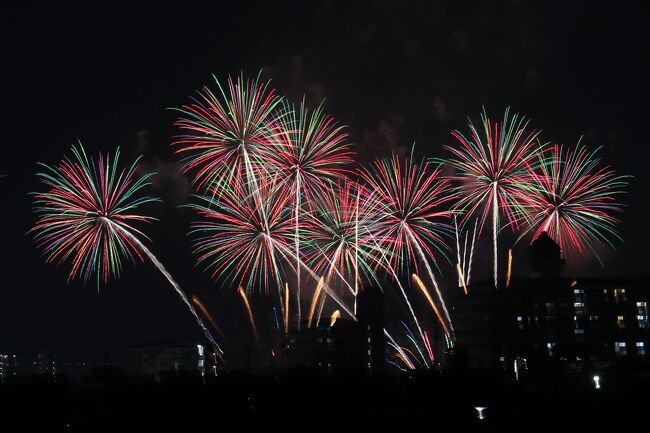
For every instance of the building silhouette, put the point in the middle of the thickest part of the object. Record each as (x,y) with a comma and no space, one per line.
(585,323)
(346,346)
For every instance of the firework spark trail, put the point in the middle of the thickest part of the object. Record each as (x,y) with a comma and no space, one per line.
(509,268)
(399,284)
(411,337)
(418,282)
(461,277)
(428,346)
(462,261)
(333,268)
(283,250)
(356,253)
(312,308)
(464,254)
(335,317)
(286,308)
(495,225)
(321,304)
(457,245)
(471,253)
(207,314)
(275,315)
(167,275)
(399,349)
(297,244)
(244,298)
(432,277)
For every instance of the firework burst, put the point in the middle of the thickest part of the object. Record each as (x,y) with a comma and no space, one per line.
(493,166)
(309,152)
(238,240)
(86,217)
(87,212)
(411,222)
(574,199)
(337,248)
(225,132)
(410,199)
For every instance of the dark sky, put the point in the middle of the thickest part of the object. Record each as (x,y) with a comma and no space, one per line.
(394,72)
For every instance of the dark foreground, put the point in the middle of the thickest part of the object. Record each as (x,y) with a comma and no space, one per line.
(301,401)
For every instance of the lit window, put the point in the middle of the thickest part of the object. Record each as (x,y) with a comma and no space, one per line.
(579,307)
(550,346)
(642,308)
(578,291)
(520,322)
(579,331)
(643,321)
(620,348)
(640,348)
(620,322)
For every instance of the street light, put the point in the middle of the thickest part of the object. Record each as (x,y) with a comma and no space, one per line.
(597,381)
(480,412)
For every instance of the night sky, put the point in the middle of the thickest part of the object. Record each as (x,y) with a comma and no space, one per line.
(394,72)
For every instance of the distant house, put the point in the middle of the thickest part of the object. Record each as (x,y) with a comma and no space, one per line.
(158,358)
